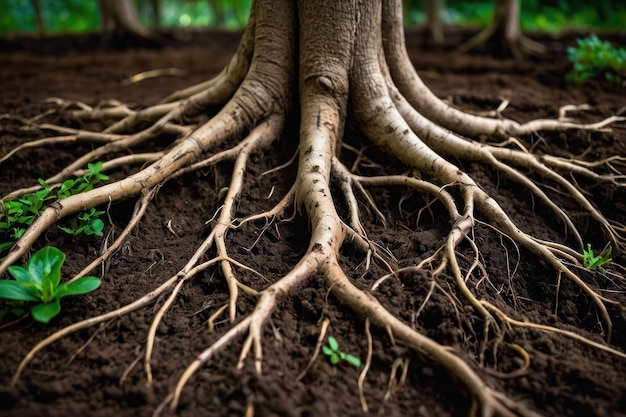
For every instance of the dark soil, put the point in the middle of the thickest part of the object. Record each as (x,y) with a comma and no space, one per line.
(99,372)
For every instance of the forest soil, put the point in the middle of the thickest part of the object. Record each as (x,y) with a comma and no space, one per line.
(99,372)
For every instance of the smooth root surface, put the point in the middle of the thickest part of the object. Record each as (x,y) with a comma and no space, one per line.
(102,379)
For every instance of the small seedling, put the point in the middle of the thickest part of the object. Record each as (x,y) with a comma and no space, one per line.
(40,281)
(591,261)
(88,223)
(335,355)
(16,215)
(594,57)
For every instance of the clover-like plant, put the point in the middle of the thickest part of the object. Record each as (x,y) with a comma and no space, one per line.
(592,261)
(40,281)
(335,354)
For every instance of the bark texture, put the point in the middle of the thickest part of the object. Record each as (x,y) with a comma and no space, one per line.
(337,65)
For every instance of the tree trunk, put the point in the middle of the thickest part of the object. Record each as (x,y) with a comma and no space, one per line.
(41,27)
(120,19)
(505,34)
(434,9)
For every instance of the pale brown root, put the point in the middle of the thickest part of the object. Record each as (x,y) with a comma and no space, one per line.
(251,323)
(549,329)
(316,350)
(87,323)
(216,130)
(128,160)
(233,73)
(395,384)
(243,111)
(275,212)
(259,138)
(103,111)
(442,142)
(426,103)
(146,75)
(59,140)
(368,306)
(448,143)
(366,367)
(360,81)
(138,212)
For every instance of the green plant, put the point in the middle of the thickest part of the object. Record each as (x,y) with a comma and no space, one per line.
(16,215)
(87,223)
(594,57)
(40,281)
(591,261)
(335,355)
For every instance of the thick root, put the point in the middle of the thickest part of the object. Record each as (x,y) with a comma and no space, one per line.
(372,82)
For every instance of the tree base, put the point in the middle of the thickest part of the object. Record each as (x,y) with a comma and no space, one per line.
(253,115)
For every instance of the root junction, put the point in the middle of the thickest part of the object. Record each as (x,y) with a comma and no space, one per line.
(349,67)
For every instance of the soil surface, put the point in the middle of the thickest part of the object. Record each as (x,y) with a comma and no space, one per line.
(99,371)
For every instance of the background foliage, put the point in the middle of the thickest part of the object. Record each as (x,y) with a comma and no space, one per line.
(82,15)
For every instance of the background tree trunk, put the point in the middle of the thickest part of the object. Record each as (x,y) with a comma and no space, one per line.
(120,18)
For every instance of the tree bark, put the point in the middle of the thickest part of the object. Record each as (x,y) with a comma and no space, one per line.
(505,33)
(330,62)
(119,18)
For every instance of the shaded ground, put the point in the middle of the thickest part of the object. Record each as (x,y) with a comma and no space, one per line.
(98,372)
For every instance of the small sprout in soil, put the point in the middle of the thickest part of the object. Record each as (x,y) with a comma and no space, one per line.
(594,57)
(16,215)
(335,355)
(88,223)
(40,281)
(591,261)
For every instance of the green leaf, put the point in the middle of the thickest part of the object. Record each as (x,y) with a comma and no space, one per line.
(22,274)
(44,312)
(353,360)
(334,359)
(68,230)
(80,286)
(46,265)
(6,245)
(591,261)
(327,351)
(97,226)
(332,342)
(20,291)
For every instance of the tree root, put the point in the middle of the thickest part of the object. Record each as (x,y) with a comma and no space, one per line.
(396,111)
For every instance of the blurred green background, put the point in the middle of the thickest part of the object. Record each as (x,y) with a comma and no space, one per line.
(63,16)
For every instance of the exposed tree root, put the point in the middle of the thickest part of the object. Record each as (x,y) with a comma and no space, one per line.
(370,79)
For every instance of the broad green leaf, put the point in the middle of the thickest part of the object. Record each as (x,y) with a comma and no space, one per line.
(20,291)
(97,226)
(80,286)
(46,265)
(334,359)
(22,274)
(44,312)
(353,360)
(332,342)
(327,351)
